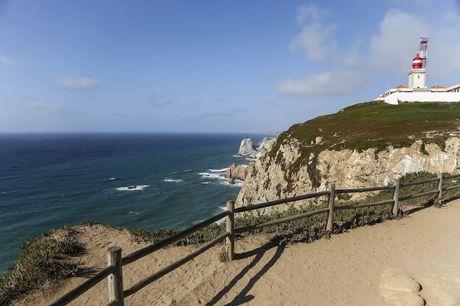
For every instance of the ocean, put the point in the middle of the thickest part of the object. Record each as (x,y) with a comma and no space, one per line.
(51,180)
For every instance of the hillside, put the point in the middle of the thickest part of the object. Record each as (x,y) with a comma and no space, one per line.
(373,125)
(360,140)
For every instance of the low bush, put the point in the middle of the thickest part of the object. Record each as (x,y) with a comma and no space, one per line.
(41,260)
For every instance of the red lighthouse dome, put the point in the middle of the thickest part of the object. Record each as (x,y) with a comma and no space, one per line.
(417,62)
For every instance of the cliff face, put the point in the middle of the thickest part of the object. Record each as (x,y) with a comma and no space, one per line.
(268,180)
(301,162)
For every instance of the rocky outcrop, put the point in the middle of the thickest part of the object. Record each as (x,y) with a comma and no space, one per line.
(265,143)
(274,176)
(246,148)
(235,172)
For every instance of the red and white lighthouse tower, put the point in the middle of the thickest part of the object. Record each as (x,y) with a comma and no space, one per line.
(417,75)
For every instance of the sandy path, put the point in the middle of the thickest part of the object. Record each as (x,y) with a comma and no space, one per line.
(344,270)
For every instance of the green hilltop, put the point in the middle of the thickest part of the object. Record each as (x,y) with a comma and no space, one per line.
(370,125)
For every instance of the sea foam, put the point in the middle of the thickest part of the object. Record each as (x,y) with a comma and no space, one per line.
(214,174)
(168,180)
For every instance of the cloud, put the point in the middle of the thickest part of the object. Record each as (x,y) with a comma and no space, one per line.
(324,83)
(315,40)
(310,11)
(397,41)
(6,60)
(77,83)
(159,101)
(41,107)
(395,44)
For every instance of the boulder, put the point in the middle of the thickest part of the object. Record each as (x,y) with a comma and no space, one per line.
(235,172)
(397,280)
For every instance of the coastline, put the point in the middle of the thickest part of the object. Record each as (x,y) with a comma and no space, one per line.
(56,180)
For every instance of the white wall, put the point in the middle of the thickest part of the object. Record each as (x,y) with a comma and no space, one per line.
(417,79)
(423,96)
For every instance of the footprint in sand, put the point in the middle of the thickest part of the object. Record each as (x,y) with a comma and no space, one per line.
(400,288)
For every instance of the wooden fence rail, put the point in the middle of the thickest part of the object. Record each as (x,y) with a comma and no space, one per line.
(115,261)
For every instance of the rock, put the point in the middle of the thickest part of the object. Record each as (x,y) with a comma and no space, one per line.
(399,281)
(403,299)
(235,172)
(246,148)
(265,143)
(441,290)
(271,175)
(400,288)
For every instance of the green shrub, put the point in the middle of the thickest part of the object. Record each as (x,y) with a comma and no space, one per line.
(41,260)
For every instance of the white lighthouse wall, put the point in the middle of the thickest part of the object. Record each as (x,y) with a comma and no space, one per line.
(422,96)
(417,78)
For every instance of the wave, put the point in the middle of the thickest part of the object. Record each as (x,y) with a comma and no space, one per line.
(221,221)
(168,180)
(218,170)
(112,178)
(135,188)
(211,175)
(214,174)
(235,184)
(181,171)
(7,192)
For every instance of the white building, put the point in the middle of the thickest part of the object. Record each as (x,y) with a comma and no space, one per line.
(417,90)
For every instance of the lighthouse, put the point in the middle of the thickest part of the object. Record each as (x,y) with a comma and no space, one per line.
(417,89)
(417,75)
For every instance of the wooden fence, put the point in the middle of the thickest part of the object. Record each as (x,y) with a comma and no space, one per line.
(115,262)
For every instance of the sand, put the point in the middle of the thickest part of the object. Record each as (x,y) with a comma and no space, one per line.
(410,261)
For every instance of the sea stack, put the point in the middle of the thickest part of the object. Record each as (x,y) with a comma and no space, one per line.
(246,148)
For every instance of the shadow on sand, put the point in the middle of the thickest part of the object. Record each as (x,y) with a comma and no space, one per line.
(258,253)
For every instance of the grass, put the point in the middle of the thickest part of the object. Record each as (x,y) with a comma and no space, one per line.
(41,260)
(369,125)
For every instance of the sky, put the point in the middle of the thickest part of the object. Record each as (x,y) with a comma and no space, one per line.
(210,66)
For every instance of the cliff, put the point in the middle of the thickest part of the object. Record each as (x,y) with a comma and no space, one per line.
(368,144)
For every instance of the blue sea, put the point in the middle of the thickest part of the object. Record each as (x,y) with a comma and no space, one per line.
(51,180)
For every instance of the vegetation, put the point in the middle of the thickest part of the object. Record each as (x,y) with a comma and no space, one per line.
(42,260)
(308,229)
(369,125)
(47,259)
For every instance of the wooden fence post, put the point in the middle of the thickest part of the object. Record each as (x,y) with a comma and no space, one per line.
(230,229)
(116,278)
(439,200)
(396,199)
(330,216)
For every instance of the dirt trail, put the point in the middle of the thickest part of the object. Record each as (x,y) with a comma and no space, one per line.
(354,268)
